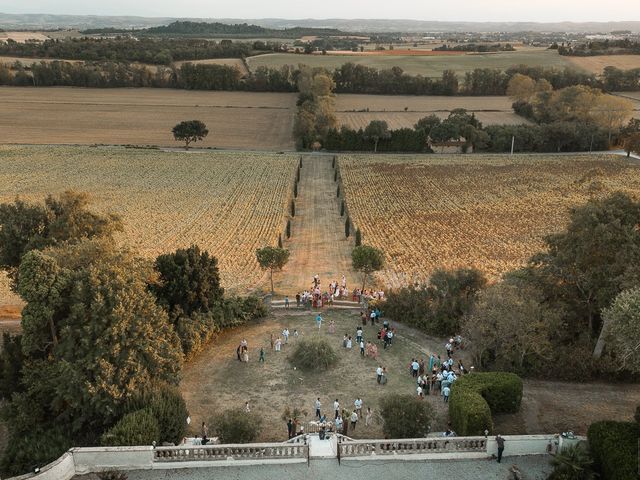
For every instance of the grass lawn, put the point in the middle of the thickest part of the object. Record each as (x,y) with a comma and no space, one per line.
(216,380)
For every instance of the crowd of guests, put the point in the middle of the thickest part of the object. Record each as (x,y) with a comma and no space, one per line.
(314,297)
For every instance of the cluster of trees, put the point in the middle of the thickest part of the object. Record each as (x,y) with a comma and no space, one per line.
(126,49)
(576,303)
(114,75)
(580,105)
(104,333)
(475,47)
(316,108)
(349,78)
(625,46)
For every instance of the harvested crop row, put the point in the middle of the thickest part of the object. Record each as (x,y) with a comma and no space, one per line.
(487,212)
(228,203)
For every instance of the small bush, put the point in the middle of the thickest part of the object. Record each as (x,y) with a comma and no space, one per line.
(112,475)
(614,446)
(135,428)
(236,426)
(475,397)
(406,416)
(313,354)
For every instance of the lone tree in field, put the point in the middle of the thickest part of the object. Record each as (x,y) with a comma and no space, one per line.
(272,258)
(190,131)
(375,131)
(367,259)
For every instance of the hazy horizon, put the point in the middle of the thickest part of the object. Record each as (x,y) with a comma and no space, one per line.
(543,11)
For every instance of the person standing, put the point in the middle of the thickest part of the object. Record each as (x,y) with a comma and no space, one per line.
(379,373)
(278,344)
(290,429)
(354,420)
(368,417)
(445,393)
(336,407)
(272,341)
(338,423)
(285,334)
(349,343)
(298,300)
(358,334)
(261,359)
(362,347)
(500,442)
(204,430)
(286,301)
(318,405)
(358,405)
(319,321)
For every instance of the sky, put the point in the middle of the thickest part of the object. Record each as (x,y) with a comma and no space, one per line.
(460,10)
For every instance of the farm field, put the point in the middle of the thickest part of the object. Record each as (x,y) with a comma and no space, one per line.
(429,66)
(22,37)
(487,212)
(597,63)
(633,96)
(229,62)
(66,115)
(228,203)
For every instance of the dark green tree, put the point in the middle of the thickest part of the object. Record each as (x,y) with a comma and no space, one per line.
(376,130)
(189,131)
(367,259)
(358,237)
(236,426)
(188,282)
(136,428)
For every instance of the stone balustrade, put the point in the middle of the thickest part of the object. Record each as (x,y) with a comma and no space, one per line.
(250,451)
(363,448)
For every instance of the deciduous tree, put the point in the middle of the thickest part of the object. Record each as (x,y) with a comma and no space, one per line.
(190,131)
(367,259)
(272,259)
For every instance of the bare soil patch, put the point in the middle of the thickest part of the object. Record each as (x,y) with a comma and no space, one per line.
(64,115)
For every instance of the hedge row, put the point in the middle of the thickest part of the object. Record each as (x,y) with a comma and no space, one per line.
(474,398)
(614,447)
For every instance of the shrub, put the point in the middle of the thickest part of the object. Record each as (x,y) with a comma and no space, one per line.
(405,416)
(112,475)
(11,361)
(135,428)
(614,446)
(32,449)
(572,463)
(313,354)
(474,398)
(168,407)
(236,426)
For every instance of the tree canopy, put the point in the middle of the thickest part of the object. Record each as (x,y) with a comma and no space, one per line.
(367,259)
(405,416)
(272,259)
(190,131)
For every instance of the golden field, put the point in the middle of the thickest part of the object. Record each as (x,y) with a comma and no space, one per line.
(488,212)
(227,203)
(144,116)
(597,63)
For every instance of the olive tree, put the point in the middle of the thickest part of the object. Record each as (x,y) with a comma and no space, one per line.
(190,131)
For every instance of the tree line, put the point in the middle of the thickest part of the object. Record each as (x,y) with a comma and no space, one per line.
(104,333)
(348,78)
(125,49)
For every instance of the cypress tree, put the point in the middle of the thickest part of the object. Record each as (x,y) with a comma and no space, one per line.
(338,192)
(347,228)
(358,237)
(333,164)
(295,190)
(293,208)
(300,164)
(342,208)
(279,240)
(288,228)
(335,176)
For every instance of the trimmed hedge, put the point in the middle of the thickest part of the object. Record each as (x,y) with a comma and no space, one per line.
(614,447)
(135,428)
(475,397)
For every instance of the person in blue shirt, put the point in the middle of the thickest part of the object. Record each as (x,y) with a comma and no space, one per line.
(319,321)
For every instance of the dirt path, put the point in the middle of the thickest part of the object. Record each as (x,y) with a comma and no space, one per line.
(318,244)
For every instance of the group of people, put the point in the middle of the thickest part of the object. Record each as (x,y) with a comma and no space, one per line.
(438,375)
(243,351)
(341,421)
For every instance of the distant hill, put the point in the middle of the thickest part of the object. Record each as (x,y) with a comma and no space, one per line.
(188,28)
(46,21)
